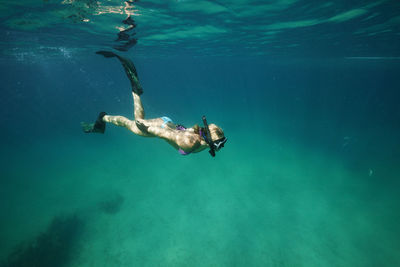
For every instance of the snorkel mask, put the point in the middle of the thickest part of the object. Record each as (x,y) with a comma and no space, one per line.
(214,145)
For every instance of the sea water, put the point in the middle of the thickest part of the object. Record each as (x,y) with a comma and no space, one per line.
(306,93)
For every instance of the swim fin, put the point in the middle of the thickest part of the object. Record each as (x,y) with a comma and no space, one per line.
(98,127)
(129,68)
(106,53)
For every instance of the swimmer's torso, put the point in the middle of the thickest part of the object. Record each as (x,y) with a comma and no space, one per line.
(186,139)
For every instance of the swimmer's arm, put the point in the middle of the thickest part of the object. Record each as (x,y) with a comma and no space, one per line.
(155,130)
(185,140)
(164,133)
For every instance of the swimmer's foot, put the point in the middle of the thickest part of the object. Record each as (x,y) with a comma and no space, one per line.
(98,127)
(141,126)
(129,68)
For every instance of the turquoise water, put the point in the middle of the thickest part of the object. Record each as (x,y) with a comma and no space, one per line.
(307,94)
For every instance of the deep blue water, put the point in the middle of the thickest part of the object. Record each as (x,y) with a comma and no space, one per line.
(307,94)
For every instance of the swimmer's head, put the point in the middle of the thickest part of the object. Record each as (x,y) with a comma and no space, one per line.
(217,136)
(214,136)
(215,131)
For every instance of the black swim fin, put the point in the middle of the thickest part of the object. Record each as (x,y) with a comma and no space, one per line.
(106,53)
(129,68)
(98,127)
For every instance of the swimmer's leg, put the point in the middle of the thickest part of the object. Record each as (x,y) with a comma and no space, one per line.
(125,122)
(138,110)
(100,125)
(129,68)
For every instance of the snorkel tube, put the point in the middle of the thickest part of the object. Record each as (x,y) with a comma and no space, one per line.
(208,137)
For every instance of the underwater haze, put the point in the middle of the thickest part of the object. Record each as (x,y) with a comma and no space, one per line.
(307,93)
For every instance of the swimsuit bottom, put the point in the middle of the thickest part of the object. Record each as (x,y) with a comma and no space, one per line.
(178,127)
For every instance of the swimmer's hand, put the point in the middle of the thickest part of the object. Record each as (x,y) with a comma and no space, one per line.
(142,126)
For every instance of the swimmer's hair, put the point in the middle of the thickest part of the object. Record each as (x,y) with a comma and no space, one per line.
(196,128)
(216,132)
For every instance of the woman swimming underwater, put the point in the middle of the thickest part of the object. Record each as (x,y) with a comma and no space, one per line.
(185,140)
